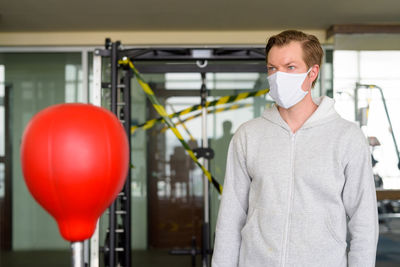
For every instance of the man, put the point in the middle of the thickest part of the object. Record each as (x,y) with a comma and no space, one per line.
(299,178)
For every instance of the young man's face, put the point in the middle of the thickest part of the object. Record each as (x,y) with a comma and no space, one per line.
(289,58)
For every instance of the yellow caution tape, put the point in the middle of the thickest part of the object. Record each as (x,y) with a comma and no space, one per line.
(221,101)
(217,110)
(160,109)
(183,125)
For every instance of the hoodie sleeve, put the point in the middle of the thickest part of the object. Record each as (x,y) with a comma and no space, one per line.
(233,209)
(359,198)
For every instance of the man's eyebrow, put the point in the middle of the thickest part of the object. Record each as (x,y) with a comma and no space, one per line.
(286,64)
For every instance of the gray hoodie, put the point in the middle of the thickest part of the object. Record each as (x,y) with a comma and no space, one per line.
(291,199)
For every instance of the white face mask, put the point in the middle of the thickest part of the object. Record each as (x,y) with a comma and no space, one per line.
(285,88)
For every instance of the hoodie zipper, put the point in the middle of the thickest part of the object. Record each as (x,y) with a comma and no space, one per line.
(290,200)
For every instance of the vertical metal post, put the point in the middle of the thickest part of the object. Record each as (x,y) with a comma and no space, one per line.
(86,252)
(85,75)
(114,77)
(77,254)
(206,185)
(95,92)
(114,93)
(94,247)
(95,99)
(127,187)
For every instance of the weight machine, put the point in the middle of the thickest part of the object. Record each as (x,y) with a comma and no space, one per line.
(388,200)
(373,86)
(117,248)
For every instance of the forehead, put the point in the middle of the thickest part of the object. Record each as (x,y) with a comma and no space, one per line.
(291,52)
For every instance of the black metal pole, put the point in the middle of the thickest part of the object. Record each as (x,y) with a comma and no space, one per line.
(114,93)
(127,187)
(390,125)
(206,221)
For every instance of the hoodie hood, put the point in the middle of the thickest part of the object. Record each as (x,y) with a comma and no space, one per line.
(323,114)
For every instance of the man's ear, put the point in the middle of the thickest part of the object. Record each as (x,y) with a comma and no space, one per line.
(314,72)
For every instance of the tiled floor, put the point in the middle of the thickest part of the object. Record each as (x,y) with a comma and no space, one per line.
(63,259)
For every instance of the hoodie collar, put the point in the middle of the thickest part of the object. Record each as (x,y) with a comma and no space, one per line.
(323,114)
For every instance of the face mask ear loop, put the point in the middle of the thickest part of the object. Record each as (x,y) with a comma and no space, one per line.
(307,75)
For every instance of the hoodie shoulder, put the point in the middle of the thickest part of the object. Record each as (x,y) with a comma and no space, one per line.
(349,128)
(351,138)
(355,134)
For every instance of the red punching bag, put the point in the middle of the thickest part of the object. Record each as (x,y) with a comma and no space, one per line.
(75,159)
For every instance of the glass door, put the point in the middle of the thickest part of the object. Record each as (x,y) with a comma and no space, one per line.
(175,182)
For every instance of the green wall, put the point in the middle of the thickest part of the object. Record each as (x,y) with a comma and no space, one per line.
(38,81)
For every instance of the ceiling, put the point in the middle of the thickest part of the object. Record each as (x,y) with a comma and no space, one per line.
(215,15)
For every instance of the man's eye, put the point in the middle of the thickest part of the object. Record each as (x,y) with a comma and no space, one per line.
(271,68)
(291,67)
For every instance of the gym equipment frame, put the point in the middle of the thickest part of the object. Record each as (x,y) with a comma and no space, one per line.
(117,247)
